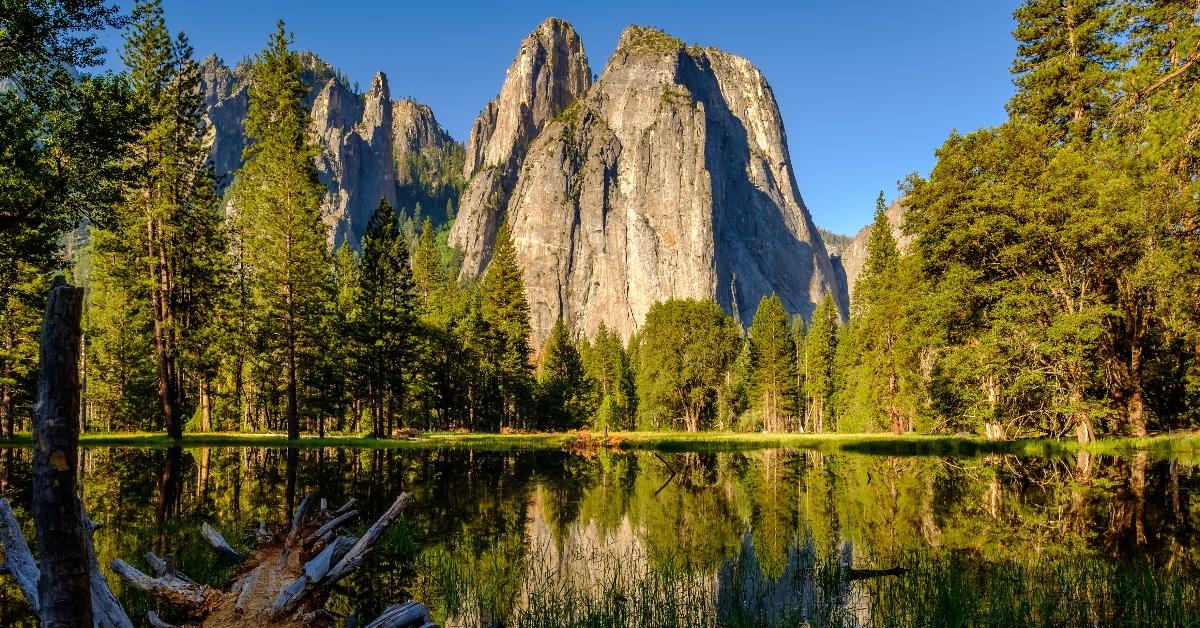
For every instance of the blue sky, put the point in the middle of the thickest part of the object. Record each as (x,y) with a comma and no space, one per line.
(868,89)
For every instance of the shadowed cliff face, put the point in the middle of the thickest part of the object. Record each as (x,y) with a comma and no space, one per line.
(668,179)
(363,138)
(549,72)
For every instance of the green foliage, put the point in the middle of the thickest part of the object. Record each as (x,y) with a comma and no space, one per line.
(683,352)
(63,137)
(1066,64)
(608,367)
(506,311)
(774,366)
(277,197)
(645,39)
(872,363)
(432,178)
(820,350)
(385,325)
(164,250)
(567,397)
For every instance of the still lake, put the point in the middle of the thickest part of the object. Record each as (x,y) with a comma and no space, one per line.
(755,537)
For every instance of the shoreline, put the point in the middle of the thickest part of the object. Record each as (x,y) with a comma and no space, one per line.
(871,444)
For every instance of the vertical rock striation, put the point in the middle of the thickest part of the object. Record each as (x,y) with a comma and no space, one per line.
(669,178)
(549,72)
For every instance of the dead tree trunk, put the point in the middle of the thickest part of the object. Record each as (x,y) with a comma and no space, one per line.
(64,587)
(63,590)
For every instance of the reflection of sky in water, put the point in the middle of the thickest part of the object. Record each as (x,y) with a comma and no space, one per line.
(776,532)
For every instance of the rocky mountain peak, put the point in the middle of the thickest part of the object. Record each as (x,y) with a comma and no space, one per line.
(363,137)
(669,178)
(548,73)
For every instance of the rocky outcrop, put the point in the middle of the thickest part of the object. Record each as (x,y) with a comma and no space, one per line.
(670,178)
(849,257)
(549,72)
(362,137)
(226,102)
(414,128)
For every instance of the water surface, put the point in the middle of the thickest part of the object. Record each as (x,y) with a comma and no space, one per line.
(765,537)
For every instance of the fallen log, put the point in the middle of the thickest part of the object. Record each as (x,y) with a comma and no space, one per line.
(284,583)
(193,598)
(21,564)
(155,622)
(303,586)
(329,527)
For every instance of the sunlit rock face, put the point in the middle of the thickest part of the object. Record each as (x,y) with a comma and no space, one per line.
(848,259)
(362,137)
(549,72)
(669,178)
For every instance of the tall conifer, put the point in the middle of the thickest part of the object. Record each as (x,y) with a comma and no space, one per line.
(277,197)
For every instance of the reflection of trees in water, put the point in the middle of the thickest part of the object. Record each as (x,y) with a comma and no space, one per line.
(689,515)
(167,504)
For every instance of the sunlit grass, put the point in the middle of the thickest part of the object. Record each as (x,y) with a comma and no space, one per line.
(1176,444)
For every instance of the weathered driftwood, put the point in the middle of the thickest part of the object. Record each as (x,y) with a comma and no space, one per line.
(155,622)
(262,536)
(345,507)
(218,542)
(303,586)
(409,614)
(106,609)
(284,583)
(245,588)
(21,565)
(333,524)
(194,598)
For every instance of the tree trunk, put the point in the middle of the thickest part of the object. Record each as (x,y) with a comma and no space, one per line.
(167,384)
(6,406)
(293,422)
(205,407)
(63,588)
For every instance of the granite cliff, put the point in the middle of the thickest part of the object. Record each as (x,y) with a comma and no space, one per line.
(668,178)
(365,138)
(549,72)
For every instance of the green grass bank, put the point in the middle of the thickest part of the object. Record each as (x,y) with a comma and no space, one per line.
(878,444)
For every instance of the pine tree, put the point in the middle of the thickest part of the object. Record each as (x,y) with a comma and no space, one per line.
(566,393)
(64,138)
(506,311)
(607,365)
(870,353)
(820,349)
(169,229)
(277,196)
(387,315)
(1065,65)
(351,354)
(428,273)
(774,367)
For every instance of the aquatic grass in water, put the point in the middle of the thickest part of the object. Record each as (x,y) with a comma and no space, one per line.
(539,585)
